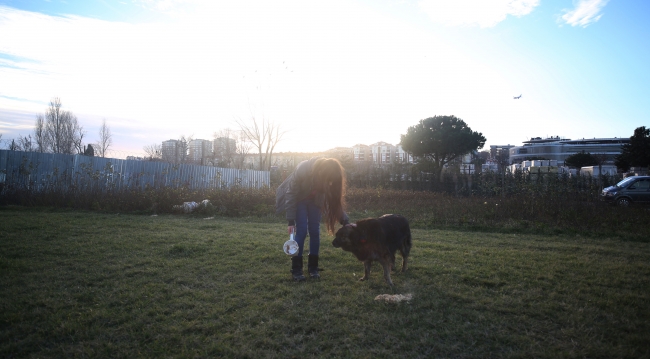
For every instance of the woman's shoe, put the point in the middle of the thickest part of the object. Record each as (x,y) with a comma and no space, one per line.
(312,266)
(296,269)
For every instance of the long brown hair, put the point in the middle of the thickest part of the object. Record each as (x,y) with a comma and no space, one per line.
(329,178)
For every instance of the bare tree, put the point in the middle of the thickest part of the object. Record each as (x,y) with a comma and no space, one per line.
(26,143)
(225,147)
(153,151)
(264,135)
(184,148)
(13,146)
(78,134)
(275,136)
(105,139)
(62,131)
(242,149)
(40,136)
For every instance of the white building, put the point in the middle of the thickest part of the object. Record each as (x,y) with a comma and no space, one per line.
(465,166)
(597,171)
(556,148)
(382,153)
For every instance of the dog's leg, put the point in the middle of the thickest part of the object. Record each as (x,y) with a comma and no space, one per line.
(366,268)
(406,248)
(386,265)
(404,262)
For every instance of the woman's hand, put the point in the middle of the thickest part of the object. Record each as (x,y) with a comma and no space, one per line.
(291,229)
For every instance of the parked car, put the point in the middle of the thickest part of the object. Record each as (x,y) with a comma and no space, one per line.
(635,189)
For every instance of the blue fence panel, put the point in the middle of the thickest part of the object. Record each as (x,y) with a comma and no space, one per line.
(41,171)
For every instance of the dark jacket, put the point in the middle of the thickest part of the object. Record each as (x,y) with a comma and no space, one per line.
(296,187)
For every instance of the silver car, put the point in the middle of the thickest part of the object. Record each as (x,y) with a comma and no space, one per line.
(635,189)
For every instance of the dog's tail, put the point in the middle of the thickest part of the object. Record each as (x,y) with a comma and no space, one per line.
(407,242)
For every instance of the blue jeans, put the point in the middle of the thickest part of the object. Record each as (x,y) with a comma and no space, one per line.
(308,220)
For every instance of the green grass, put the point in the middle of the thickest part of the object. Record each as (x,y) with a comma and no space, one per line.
(82,284)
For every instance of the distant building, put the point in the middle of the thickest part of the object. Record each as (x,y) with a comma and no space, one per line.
(556,148)
(171,151)
(361,153)
(224,151)
(339,152)
(535,166)
(490,167)
(402,156)
(289,160)
(382,153)
(610,170)
(343,154)
(224,146)
(500,152)
(200,151)
(467,166)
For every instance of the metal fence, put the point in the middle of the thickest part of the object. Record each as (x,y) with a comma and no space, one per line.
(40,171)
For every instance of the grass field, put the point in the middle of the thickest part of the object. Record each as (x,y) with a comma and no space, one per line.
(84,284)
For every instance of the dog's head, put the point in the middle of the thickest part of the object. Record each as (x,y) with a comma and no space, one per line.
(348,237)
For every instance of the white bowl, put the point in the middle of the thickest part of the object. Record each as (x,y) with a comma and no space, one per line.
(290,247)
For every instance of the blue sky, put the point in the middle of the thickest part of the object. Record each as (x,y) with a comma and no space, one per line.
(332,73)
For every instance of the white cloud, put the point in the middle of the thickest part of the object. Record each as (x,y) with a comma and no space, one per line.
(483,13)
(585,13)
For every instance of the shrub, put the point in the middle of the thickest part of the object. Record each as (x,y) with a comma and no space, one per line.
(482,202)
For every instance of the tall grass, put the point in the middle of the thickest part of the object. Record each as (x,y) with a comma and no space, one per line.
(513,214)
(402,177)
(233,201)
(488,202)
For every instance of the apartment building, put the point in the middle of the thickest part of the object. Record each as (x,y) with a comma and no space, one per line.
(382,153)
(402,156)
(171,151)
(361,153)
(498,152)
(200,151)
(224,146)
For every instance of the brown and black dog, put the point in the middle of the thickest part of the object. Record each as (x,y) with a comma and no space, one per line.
(377,239)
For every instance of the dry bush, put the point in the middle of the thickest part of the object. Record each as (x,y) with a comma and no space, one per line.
(546,213)
(488,203)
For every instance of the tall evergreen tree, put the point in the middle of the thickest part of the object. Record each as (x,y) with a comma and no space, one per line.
(637,152)
(439,140)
